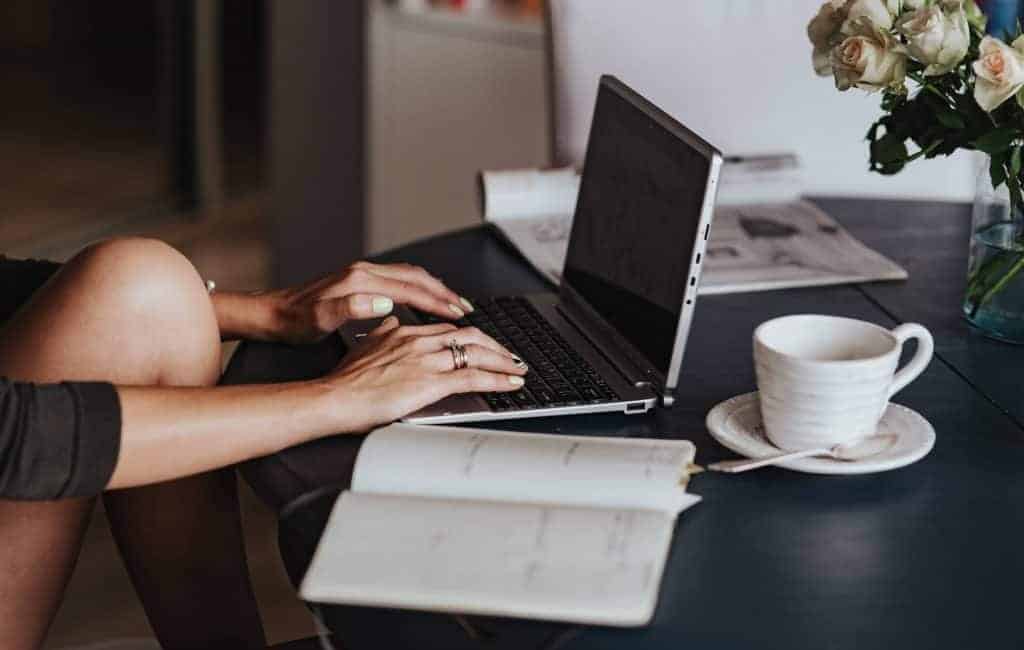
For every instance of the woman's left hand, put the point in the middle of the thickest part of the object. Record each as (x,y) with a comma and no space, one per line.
(308,313)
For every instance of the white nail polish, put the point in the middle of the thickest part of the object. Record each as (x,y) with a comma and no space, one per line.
(515,380)
(382,305)
(455,310)
(467,304)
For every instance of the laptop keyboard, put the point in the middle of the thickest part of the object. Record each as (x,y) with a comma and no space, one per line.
(558,375)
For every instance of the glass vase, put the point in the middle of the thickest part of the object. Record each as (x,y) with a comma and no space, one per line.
(994,299)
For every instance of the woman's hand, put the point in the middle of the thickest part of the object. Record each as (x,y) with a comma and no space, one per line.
(398,370)
(308,313)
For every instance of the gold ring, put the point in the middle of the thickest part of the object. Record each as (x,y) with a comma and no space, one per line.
(460,358)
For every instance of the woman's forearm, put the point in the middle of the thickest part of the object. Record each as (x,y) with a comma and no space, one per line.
(168,433)
(254,316)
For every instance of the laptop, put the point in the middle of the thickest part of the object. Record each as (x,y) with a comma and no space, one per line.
(612,338)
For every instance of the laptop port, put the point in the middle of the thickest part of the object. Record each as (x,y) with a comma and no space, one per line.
(633,407)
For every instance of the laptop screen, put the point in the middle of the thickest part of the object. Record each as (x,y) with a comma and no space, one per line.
(636,222)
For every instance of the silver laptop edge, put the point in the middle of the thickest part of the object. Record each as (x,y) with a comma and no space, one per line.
(639,383)
(707,212)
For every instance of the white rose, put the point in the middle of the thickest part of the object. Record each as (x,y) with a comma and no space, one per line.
(879,12)
(999,71)
(835,20)
(937,38)
(975,16)
(870,59)
(823,31)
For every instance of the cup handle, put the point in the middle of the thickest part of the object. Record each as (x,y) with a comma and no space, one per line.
(925,348)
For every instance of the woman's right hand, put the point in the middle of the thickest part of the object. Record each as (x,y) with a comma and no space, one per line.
(397,370)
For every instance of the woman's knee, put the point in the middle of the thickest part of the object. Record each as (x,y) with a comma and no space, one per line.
(128,310)
(158,294)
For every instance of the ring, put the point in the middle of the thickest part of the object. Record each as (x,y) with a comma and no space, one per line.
(459,355)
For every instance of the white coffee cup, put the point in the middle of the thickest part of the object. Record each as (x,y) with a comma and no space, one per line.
(826,380)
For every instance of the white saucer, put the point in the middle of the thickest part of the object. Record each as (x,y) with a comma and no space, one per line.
(736,423)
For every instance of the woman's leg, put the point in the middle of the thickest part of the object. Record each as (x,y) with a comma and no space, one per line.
(39,545)
(131,312)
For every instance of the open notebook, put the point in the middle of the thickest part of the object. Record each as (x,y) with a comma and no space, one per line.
(509,524)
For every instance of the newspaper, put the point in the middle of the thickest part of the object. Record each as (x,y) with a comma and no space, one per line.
(755,246)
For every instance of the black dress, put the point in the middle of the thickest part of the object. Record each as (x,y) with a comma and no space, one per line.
(56,440)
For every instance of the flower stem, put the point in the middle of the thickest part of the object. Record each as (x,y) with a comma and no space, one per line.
(977,283)
(926,85)
(979,279)
(998,286)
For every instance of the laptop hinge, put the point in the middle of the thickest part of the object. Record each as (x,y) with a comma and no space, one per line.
(609,343)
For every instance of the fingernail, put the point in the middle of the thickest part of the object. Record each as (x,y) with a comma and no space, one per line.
(516,381)
(455,310)
(467,304)
(519,362)
(382,305)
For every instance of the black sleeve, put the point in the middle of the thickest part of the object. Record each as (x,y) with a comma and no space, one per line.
(56,440)
(19,279)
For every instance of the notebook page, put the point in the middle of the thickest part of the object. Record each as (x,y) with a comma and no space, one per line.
(581,565)
(452,462)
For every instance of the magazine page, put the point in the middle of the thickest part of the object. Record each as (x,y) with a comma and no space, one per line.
(754,246)
(764,246)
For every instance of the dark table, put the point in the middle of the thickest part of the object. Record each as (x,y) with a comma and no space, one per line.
(931,555)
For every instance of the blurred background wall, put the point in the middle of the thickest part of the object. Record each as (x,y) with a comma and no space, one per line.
(129,116)
(350,126)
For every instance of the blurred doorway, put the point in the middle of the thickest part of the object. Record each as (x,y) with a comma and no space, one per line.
(113,107)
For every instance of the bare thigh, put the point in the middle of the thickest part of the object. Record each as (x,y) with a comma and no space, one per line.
(128,312)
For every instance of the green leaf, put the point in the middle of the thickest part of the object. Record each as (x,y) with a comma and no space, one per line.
(950,118)
(1016,200)
(873,131)
(892,100)
(1015,161)
(997,171)
(997,140)
(889,148)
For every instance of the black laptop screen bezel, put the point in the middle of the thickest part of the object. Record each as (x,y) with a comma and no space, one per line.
(657,372)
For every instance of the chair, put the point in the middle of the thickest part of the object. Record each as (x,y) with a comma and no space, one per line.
(737,72)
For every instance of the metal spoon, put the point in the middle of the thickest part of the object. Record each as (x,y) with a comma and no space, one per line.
(852,451)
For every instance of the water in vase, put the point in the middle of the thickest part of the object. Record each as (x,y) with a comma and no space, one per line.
(995,286)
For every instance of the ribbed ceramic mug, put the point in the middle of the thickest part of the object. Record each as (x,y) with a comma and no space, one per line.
(826,380)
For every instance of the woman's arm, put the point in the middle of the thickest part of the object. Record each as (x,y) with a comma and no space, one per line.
(76,439)
(168,433)
(254,316)
(173,432)
(310,312)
